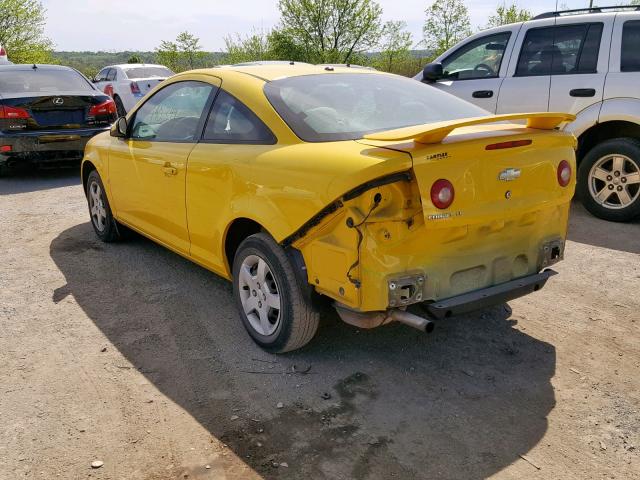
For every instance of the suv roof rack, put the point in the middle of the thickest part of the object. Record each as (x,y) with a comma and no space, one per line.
(578,11)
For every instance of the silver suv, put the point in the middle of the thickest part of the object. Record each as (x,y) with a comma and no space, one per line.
(586,62)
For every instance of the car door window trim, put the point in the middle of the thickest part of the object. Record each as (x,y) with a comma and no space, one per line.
(497,75)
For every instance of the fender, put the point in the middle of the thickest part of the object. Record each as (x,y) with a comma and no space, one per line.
(620,109)
(585,119)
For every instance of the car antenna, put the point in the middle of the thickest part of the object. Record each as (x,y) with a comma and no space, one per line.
(35,67)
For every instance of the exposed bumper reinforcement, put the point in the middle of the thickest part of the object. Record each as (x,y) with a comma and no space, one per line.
(487,297)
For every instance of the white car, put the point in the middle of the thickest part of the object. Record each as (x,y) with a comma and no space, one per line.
(585,62)
(128,83)
(3,57)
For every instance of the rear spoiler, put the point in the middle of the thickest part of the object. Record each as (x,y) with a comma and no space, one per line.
(436,132)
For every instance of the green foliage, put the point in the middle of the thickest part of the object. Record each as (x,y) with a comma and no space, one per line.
(134,59)
(328,31)
(185,53)
(22,31)
(395,47)
(252,47)
(511,14)
(447,23)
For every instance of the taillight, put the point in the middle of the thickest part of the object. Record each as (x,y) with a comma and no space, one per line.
(108,107)
(442,193)
(564,173)
(13,112)
(135,88)
(5,148)
(3,52)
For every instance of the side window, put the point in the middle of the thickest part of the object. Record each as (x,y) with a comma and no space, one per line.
(630,55)
(231,121)
(102,76)
(173,114)
(560,50)
(111,75)
(478,59)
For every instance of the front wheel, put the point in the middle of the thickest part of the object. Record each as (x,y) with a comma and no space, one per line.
(273,306)
(609,180)
(102,220)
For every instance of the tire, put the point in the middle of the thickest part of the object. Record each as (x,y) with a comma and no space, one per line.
(120,110)
(276,330)
(609,180)
(102,220)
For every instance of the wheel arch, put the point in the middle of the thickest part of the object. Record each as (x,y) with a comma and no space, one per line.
(601,132)
(86,169)
(237,231)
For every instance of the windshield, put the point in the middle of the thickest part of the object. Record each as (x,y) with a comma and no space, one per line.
(37,80)
(332,107)
(147,72)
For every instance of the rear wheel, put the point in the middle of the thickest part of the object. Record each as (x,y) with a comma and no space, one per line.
(609,180)
(272,305)
(119,106)
(102,220)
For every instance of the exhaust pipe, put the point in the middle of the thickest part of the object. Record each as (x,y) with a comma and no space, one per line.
(412,320)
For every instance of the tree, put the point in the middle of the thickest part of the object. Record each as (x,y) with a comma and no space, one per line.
(505,15)
(134,59)
(395,46)
(330,31)
(447,23)
(22,31)
(185,53)
(252,47)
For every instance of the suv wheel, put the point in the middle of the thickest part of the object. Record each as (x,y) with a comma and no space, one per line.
(609,180)
(273,306)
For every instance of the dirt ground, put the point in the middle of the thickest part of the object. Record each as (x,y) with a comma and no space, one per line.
(130,355)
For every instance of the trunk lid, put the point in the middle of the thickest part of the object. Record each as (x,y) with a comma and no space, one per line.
(52,112)
(498,171)
(147,84)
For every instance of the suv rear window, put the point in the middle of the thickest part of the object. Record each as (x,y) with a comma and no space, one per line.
(35,80)
(630,55)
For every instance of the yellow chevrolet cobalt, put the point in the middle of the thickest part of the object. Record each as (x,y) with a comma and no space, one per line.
(305,183)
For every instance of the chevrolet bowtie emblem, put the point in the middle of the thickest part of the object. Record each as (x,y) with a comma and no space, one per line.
(509,174)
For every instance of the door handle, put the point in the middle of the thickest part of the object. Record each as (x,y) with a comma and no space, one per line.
(482,94)
(169,170)
(583,92)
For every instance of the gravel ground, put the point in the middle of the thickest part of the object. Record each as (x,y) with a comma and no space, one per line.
(130,355)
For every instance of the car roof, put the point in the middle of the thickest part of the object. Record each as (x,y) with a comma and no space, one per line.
(133,65)
(29,66)
(277,71)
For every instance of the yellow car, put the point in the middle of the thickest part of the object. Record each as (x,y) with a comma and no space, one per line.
(302,182)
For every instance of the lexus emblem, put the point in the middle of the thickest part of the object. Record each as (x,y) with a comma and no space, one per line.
(509,174)
(58,101)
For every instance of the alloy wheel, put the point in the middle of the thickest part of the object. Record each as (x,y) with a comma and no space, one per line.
(259,295)
(96,207)
(614,181)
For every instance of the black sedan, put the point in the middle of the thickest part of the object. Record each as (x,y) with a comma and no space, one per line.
(47,114)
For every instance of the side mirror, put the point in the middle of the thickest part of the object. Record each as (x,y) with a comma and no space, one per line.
(432,72)
(119,129)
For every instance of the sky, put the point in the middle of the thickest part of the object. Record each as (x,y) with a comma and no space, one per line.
(116,25)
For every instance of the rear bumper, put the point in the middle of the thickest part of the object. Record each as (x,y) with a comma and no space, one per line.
(487,297)
(43,146)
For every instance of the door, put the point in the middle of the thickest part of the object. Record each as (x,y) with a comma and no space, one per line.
(147,170)
(526,86)
(234,140)
(472,72)
(579,67)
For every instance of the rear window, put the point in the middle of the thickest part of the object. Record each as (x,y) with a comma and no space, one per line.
(147,72)
(38,80)
(630,56)
(332,107)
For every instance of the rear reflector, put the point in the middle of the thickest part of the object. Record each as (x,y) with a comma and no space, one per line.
(13,112)
(108,107)
(564,173)
(512,144)
(442,193)
(5,148)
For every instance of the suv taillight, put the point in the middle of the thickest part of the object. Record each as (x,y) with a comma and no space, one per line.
(442,193)
(108,107)
(135,89)
(564,173)
(12,112)
(3,52)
